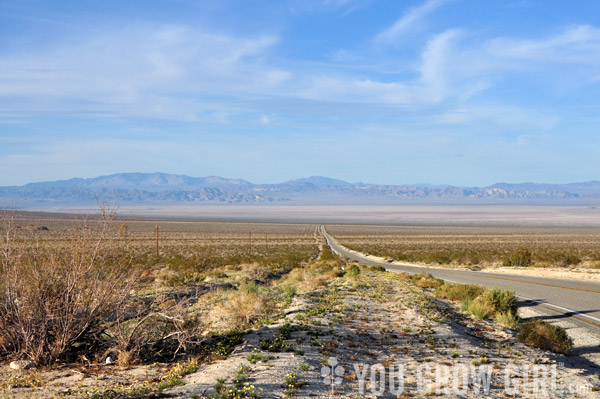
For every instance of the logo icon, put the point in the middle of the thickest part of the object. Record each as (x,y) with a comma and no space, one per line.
(332,375)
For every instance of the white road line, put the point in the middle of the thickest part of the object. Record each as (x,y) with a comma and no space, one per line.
(560,307)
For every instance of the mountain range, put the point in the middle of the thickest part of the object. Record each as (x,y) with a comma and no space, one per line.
(163,188)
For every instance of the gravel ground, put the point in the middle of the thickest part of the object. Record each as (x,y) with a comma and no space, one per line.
(376,324)
(365,330)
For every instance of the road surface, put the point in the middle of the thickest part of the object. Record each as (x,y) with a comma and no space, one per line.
(576,300)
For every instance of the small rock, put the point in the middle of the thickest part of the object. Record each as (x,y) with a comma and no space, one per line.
(109,360)
(21,364)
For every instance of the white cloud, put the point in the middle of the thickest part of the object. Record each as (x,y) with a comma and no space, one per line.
(409,21)
(493,118)
(171,72)
(435,64)
(180,73)
(576,44)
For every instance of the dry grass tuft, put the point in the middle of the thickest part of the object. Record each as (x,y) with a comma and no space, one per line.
(256,272)
(240,308)
(426,280)
(314,275)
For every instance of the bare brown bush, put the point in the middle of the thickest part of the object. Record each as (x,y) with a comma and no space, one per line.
(52,297)
(159,329)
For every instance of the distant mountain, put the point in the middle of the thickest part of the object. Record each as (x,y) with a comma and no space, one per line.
(163,188)
(319,181)
(146,182)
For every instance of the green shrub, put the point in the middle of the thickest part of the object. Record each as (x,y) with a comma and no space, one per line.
(480,308)
(540,334)
(484,303)
(378,268)
(507,319)
(503,301)
(353,271)
(459,292)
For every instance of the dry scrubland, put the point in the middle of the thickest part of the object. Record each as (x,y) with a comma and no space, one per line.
(233,310)
(486,246)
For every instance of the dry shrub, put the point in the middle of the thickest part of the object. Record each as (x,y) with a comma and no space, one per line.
(314,275)
(125,358)
(541,334)
(313,282)
(171,278)
(160,329)
(215,275)
(52,297)
(459,292)
(256,272)
(426,280)
(240,308)
(520,257)
(294,276)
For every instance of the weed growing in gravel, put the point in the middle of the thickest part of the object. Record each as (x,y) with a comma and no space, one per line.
(277,344)
(238,390)
(292,383)
(258,356)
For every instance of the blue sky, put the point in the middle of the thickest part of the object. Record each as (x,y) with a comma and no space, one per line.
(463,92)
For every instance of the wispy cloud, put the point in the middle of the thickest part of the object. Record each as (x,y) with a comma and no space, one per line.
(576,44)
(498,118)
(409,21)
(182,73)
(435,63)
(171,72)
(311,6)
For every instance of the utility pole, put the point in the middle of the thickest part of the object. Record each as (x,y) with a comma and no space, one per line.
(157,254)
(250,242)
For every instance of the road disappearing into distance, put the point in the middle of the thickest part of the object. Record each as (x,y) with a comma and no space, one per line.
(558,298)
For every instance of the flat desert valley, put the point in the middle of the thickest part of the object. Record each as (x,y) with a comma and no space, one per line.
(517,215)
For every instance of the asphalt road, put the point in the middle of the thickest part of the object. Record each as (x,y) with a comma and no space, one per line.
(577,300)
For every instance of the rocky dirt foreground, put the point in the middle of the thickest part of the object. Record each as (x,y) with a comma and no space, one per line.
(373,335)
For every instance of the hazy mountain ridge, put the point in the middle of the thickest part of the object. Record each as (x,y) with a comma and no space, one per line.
(170,188)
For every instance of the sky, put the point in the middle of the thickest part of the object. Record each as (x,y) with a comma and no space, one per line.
(462,92)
